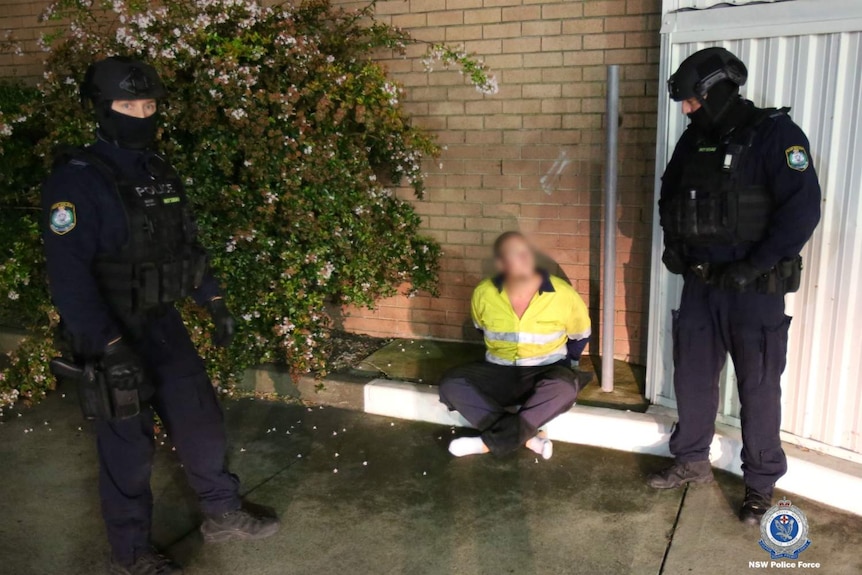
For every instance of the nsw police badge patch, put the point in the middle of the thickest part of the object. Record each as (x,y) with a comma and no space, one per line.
(63,219)
(784,531)
(797,158)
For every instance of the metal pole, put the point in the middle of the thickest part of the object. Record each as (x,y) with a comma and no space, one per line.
(610,243)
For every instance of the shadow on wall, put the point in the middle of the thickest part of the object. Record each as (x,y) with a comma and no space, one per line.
(631,223)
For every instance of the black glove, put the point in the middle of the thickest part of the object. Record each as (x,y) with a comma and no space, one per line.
(225,326)
(122,367)
(739,276)
(673,260)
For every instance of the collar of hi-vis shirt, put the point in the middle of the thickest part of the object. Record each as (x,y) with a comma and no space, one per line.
(546,286)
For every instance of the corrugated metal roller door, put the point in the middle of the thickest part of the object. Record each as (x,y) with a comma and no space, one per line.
(820,76)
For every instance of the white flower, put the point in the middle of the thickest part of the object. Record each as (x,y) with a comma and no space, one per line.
(13,295)
(327,270)
(238,113)
(489,86)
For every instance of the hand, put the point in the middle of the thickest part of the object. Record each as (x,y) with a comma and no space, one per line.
(738,276)
(122,367)
(673,260)
(225,326)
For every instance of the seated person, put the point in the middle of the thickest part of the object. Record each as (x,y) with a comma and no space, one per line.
(535,327)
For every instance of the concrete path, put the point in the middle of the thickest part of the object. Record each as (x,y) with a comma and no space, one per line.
(361,494)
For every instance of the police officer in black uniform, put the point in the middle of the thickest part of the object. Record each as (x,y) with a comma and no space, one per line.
(121,248)
(739,200)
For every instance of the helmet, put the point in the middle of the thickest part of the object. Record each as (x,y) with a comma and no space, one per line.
(703,70)
(121,78)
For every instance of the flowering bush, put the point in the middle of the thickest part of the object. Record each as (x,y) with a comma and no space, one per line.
(290,138)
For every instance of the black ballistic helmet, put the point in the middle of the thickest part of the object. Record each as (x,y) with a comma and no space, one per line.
(704,70)
(120,78)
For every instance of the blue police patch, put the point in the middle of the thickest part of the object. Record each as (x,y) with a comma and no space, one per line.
(797,158)
(63,219)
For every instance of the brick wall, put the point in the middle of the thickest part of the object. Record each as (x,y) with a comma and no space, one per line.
(19,20)
(529,158)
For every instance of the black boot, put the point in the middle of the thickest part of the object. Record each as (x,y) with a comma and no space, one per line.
(149,562)
(244,524)
(679,474)
(755,506)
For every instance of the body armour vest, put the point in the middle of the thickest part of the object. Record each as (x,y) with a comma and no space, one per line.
(713,204)
(161,261)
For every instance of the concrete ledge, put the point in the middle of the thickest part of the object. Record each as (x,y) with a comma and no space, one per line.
(823,478)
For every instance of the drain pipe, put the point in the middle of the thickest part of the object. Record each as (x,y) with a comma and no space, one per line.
(610,244)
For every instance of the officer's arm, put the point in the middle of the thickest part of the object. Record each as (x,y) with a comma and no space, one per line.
(578,327)
(208,290)
(791,177)
(71,230)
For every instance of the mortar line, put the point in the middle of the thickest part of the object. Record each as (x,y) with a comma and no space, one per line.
(673,531)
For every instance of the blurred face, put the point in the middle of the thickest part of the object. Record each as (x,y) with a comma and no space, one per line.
(135,108)
(516,259)
(691,106)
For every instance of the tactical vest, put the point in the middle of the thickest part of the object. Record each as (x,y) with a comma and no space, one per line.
(712,204)
(161,261)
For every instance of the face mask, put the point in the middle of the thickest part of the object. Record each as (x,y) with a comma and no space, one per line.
(714,111)
(701,120)
(127,131)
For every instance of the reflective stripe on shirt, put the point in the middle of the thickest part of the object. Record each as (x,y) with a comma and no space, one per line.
(558,355)
(524,337)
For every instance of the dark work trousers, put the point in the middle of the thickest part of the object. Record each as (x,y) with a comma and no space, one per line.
(482,391)
(187,404)
(752,327)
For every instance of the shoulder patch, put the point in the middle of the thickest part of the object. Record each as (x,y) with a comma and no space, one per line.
(797,158)
(63,218)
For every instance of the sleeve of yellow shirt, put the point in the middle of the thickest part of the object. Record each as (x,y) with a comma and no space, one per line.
(578,323)
(476,308)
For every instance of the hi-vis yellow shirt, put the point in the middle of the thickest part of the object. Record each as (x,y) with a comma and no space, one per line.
(555,315)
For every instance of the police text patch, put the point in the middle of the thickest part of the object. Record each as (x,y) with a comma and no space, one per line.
(63,218)
(797,158)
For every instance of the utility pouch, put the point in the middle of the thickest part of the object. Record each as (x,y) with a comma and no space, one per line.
(97,400)
(790,272)
(125,403)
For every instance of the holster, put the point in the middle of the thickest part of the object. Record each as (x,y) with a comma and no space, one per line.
(97,399)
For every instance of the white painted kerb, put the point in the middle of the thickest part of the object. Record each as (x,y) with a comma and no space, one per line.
(826,479)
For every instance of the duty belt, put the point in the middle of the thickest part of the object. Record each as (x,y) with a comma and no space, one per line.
(784,278)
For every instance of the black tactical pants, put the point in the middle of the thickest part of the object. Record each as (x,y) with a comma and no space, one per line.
(482,392)
(187,404)
(753,328)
